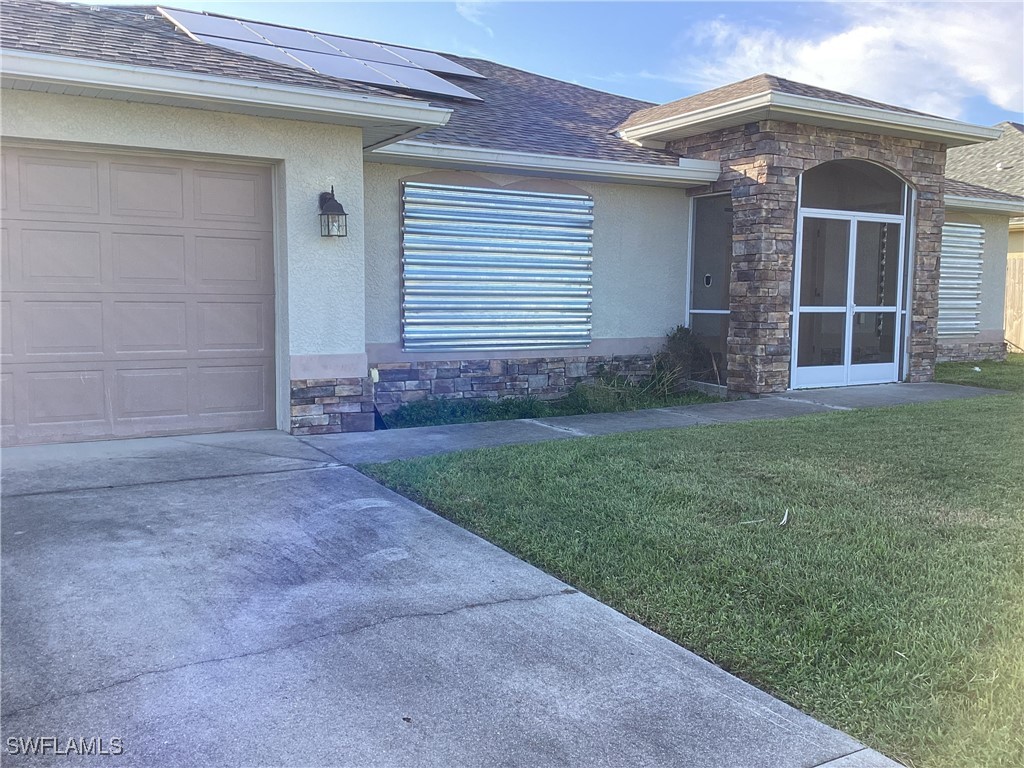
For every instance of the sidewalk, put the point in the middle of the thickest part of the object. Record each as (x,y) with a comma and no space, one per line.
(397,444)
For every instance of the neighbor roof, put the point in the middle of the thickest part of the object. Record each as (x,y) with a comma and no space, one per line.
(752,86)
(996,164)
(959,188)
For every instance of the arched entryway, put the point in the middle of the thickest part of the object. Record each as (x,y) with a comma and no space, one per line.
(849,294)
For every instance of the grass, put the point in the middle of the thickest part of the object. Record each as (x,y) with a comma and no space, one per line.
(603,397)
(1008,376)
(891,605)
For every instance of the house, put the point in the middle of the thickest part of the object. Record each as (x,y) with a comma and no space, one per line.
(175,259)
(999,165)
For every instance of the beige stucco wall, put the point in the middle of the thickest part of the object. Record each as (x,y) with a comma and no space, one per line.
(640,251)
(319,281)
(993,278)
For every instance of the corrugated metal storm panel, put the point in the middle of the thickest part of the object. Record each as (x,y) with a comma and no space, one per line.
(960,279)
(491,269)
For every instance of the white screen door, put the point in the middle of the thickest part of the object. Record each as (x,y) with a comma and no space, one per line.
(848,292)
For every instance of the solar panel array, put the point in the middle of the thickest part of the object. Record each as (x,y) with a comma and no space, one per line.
(361,61)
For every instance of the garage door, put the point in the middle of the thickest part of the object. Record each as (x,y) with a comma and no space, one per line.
(138,296)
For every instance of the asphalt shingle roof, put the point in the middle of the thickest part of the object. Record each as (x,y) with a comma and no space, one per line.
(520,111)
(965,189)
(997,164)
(751,87)
(139,36)
(525,112)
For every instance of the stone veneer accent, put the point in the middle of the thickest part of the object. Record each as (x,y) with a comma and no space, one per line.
(540,377)
(760,165)
(323,406)
(970,351)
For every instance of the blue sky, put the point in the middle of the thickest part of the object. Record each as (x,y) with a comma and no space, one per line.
(956,59)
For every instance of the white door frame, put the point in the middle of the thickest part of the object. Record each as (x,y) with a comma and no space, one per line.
(848,373)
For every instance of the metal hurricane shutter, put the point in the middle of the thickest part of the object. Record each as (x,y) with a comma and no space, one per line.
(960,269)
(491,269)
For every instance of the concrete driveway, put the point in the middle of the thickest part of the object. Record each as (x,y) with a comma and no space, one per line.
(244,600)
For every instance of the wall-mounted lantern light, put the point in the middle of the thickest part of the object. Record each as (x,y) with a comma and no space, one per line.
(333,219)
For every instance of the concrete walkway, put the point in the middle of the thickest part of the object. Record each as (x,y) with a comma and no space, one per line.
(390,445)
(244,599)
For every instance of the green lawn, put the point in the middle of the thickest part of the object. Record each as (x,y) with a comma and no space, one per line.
(891,605)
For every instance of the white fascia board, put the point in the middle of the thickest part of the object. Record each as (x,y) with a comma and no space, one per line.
(686,173)
(701,120)
(782,106)
(985,205)
(222,93)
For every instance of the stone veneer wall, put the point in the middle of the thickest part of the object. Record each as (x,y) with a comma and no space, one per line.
(540,377)
(323,406)
(760,166)
(970,351)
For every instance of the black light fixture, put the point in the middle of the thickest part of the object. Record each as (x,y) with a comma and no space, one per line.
(333,219)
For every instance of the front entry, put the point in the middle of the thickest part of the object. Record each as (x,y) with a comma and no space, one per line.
(848,304)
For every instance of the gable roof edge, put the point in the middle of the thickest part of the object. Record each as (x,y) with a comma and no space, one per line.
(771,105)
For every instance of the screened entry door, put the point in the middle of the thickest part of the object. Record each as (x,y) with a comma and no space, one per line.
(847,314)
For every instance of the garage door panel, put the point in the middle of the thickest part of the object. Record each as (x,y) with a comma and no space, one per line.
(150,326)
(6,399)
(225,326)
(146,191)
(6,331)
(234,264)
(231,196)
(5,256)
(57,328)
(152,392)
(228,389)
(66,396)
(138,296)
(49,184)
(59,259)
(148,261)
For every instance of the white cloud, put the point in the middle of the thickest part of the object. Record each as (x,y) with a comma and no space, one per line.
(473,12)
(926,56)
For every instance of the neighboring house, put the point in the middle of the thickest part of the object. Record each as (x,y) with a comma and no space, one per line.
(166,269)
(999,165)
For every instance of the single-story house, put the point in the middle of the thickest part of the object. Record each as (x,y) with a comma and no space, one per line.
(999,165)
(175,257)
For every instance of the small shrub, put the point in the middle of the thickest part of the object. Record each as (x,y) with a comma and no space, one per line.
(461,411)
(686,358)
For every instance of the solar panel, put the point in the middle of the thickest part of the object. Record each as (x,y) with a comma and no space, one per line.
(434,62)
(214,26)
(361,49)
(415,79)
(285,37)
(360,61)
(259,50)
(345,67)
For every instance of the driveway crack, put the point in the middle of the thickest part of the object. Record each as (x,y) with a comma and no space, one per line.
(286,646)
(331,458)
(254,451)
